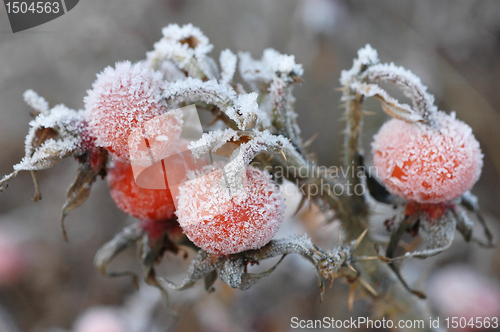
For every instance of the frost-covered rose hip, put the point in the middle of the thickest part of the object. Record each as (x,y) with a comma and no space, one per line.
(223,223)
(121,100)
(425,164)
(143,204)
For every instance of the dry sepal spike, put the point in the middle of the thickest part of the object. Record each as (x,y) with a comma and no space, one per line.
(422,173)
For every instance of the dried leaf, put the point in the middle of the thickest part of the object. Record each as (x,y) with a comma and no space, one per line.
(108,252)
(92,164)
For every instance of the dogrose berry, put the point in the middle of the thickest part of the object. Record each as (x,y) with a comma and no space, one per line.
(425,164)
(144,204)
(221,222)
(121,100)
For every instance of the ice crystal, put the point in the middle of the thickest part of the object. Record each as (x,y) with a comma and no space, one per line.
(228,65)
(36,102)
(242,109)
(366,56)
(53,135)
(187,47)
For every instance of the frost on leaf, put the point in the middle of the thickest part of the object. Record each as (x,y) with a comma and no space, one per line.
(228,65)
(366,72)
(38,103)
(187,47)
(390,105)
(437,235)
(409,83)
(242,109)
(367,56)
(274,75)
(53,135)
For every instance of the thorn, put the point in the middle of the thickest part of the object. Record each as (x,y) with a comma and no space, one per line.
(352,268)
(368,287)
(283,154)
(331,282)
(359,239)
(352,293)
(310,140)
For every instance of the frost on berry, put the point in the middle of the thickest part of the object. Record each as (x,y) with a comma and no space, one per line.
(424,164)
(143,204)
(222,223)
(121,99)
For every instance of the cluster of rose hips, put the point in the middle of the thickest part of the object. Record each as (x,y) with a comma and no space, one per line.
(121,100)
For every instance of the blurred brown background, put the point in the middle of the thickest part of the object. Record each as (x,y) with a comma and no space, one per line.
(453,45)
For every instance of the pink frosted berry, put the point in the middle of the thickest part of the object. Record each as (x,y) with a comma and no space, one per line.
(425,164)
(123,99)
(223,223)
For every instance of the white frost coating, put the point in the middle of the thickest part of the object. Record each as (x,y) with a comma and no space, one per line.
(246,112)
(261,141)
(409,83)
(228,62)
(423,164)
(171,72)
(242,109)
(221,223)
(187,47)
(259,73)
(68,124)
(275,73)
(121,99)
(36,102)
(366,56)
(212,141)
(392,106)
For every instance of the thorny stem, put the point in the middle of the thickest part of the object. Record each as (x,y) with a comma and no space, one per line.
(352,211)
(354,223)
(352,150)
